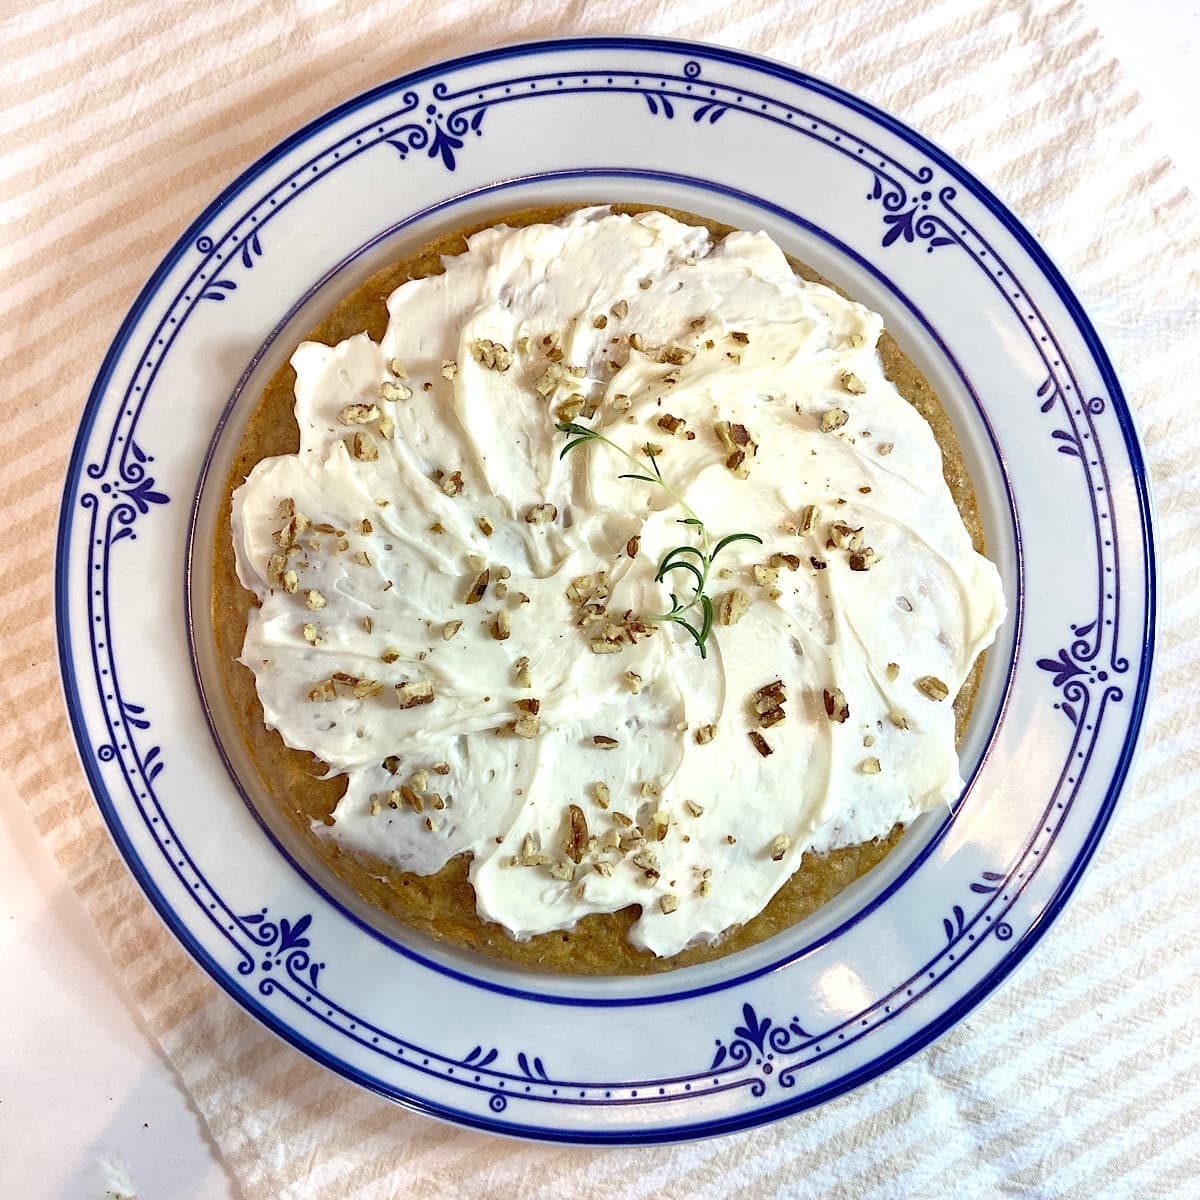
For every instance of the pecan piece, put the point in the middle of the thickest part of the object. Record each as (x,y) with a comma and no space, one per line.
(491,354)
(358,414)
(932,687)
(761,744)
(478,586)
(836,708)
(577,833)
(732,606)
(410,695)
(527,725)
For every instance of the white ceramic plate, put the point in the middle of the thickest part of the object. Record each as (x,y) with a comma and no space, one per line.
(893,961)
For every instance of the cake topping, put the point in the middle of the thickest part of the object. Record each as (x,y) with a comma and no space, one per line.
(710,570)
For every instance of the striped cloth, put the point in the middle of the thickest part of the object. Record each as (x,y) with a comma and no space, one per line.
(1081,1078)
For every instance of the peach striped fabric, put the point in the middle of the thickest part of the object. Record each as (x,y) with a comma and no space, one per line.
(119,119)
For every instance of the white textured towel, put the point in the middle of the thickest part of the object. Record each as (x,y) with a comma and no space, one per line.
(1081,1077)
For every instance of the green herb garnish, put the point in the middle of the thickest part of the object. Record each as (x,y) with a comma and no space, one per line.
(694,561)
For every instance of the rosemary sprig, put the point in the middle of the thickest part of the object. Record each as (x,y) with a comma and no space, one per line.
(694,561)
(582,433)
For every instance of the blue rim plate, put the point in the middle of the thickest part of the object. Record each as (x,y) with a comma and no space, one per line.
(1050,444)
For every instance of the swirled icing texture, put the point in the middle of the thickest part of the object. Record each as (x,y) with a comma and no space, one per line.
(761,348)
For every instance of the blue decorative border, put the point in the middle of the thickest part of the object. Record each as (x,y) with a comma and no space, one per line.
(128,492)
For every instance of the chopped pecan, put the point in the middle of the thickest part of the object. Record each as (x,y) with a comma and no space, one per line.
(741,446)
(579,589)
(761,744)
(479,585)
(863,560)
(676,355)
(394,391)
(570,408)
(732,606)
(836,708)
(411,695)
(833,419)
(358,414)
(527,725)
(491,354)
(845,537)
(932,687)
(577,833)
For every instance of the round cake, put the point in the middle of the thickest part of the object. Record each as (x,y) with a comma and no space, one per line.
(601,590)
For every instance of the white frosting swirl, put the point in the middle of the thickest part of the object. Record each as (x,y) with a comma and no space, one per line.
(774,354)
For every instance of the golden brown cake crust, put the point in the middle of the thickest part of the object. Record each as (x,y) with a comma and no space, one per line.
(443,905)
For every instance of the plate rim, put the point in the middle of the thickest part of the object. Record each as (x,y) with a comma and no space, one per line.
(1147,538)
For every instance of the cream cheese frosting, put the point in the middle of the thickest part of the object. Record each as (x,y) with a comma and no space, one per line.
(457,617)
